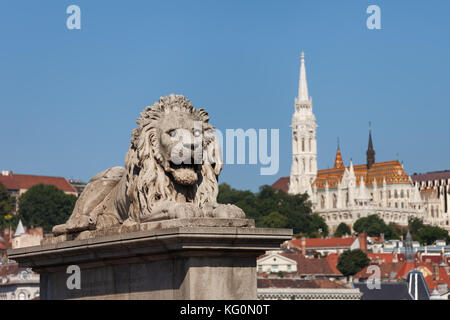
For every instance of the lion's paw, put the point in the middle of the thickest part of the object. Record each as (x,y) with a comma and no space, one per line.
(228,211)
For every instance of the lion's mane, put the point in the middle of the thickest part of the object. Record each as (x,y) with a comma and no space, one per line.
(147,181)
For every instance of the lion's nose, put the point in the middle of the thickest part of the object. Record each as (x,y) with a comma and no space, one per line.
(191,146)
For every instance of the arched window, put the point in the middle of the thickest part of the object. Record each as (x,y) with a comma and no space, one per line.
(402,194)
(432,211)
(334,201)
(322,202)
(303,144)
(310,145)
(304,165)
(22,296)
(395,194)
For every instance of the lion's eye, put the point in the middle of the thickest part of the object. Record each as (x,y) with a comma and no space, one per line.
(197,133)
(173,133)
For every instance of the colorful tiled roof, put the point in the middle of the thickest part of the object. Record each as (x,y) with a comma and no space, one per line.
(312,243)
(392,171)
(14,181)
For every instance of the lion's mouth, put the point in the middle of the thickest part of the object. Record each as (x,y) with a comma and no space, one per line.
(185,173)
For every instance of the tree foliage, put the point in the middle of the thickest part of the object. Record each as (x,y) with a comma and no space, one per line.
(7,205)
(374,226)
(426,234)
(342,230)
(274,208)
(45,206)
(351,262)
(275,220)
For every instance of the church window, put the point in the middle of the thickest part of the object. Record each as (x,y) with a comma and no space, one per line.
(334,201)
(395,194)
(432,211)
(407,193)
(310,145)
(381,195)
(402,194)
(304,165)
(303,144)
(389,194)
(322,202)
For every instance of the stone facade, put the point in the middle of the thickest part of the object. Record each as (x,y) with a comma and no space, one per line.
(304,145)
(435,190)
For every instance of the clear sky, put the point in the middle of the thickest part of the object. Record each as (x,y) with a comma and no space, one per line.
(69,99)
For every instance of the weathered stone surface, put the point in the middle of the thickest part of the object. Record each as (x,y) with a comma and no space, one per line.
(165,224)
(170,172)
(173,263)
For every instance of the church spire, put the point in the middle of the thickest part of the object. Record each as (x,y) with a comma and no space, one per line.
(370,150)
(303,85)
(338,163)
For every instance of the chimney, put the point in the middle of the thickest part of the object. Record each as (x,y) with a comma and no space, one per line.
(304,246)
(363,242)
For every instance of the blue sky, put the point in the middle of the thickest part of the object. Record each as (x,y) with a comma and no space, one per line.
(69,99)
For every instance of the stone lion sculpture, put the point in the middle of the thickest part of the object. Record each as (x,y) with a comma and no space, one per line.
(171,172)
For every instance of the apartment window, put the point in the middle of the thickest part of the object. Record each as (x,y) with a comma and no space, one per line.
(274,268)
(289,268)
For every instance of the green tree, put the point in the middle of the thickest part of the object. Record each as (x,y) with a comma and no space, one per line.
(415,225)
(429,234)
(342,230)
(426,234)
(274,220)
(7,204)
(352,262)
(374,226)
(45,206)
(259,206)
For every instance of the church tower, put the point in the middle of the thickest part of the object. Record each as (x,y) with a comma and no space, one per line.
(304,146)
(370,151)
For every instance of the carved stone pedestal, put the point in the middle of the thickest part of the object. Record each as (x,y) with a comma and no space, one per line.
(177,260)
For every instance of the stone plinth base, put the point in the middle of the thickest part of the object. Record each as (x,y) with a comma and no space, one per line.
(178,262)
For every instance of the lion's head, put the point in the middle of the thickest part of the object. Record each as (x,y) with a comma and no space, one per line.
(173,156)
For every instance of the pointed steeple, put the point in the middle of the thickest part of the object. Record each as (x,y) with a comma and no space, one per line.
(352,170)
(303,85)
(370,150)
(338,163)
(19,230)
(363,194)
